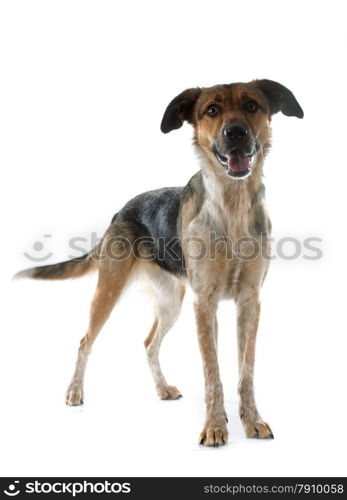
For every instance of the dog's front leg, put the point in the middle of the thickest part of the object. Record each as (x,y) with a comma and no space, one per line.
(248,311)
(215,431)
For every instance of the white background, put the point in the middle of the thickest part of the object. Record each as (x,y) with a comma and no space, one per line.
(83,89)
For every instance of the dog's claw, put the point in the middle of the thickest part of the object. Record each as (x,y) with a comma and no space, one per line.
(168,392)
(259,430)
(74,396)
(214,435)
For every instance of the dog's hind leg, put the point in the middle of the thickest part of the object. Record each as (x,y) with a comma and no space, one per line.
(113,275)
(169,293)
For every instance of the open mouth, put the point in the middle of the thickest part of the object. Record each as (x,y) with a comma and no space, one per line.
(237,163)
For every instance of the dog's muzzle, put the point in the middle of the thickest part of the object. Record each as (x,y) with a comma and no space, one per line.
(236,150)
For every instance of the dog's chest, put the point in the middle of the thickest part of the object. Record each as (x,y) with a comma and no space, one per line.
(225,250)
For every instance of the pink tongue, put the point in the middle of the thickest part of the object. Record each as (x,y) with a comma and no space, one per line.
(238,162)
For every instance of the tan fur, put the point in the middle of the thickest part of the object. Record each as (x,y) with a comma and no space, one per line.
(113,276)
(168,292)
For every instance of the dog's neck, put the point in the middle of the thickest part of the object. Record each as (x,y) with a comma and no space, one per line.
(232,200)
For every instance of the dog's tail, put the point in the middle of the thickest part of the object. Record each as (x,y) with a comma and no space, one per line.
(68,269)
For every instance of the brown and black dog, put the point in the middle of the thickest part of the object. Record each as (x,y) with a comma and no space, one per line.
(210,233)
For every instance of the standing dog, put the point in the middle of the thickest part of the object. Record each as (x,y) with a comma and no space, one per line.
(211,233)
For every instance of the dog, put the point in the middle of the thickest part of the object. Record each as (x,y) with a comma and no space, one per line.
(165,235)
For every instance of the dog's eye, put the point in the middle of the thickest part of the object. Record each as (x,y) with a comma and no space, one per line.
(212,110)
(251,106)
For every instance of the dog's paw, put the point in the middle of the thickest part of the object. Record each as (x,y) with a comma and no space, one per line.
(74,395)
(258,429)
(214,434)
(168,392)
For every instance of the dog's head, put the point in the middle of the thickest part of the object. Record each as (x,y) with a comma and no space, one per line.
(232,122)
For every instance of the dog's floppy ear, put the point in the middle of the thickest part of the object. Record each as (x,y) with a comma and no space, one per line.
(180,109)
(280,98)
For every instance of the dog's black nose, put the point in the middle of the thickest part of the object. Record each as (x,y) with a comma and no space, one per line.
(235,131)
